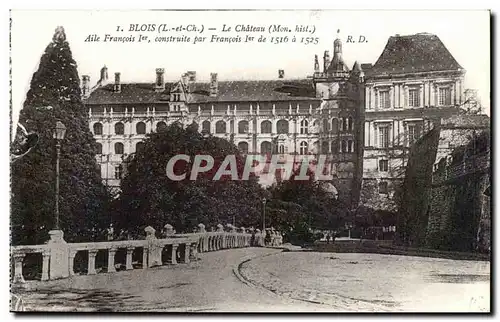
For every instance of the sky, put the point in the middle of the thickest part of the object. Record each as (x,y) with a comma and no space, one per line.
(466,34)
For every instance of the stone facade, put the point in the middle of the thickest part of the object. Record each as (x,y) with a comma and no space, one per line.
(364,118)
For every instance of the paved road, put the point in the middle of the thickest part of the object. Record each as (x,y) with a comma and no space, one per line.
(207,285)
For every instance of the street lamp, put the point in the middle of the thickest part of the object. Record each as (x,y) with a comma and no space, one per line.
(59,132)
(264,215)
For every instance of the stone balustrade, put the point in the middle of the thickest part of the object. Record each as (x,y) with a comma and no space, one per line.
(59,256)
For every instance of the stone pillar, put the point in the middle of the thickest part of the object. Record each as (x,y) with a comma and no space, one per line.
(59,252)
(18,267)
(154,251)
(145,258)
(128,264)
(193,252)
(174,254)
(45,265)
(186,253)
(71,262)
(91,264)
(111,260)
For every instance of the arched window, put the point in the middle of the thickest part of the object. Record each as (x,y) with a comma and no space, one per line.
(344,124)
(98,128)
(99,148)
(303,147)
(119,128)
(220,127)
(351,125)
(335,125)
(139,147)
(205,127)
(324,147)
(282,126)
(333,146)
(304,127)
(243,127)
(140,128)
(118,148)
(326,126)
(243,147)
(344,146)
(266,127)
(350,145)
(161,126)
(266,147)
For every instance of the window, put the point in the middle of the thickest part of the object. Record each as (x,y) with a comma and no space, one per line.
(118,172)
(413,133)
(281,149)
(266,147)
(414,98)
(98,129)
(220,127)
(303,147)
(139,147)
(383,141)
(384,100)
(349,121)
(119,128)
(140,128)
(243,147)
(282,126)
(243,127)
(118,148)
(335,126)
(205,127)
(266,127)
(326,125)
(444,96)
(350,146)
(334,146)
(161,126)
(99,148)
(383,187)
(344,146)
(304,127)
(383,165)
(324,147)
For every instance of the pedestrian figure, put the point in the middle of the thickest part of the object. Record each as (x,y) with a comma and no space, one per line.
(328,237)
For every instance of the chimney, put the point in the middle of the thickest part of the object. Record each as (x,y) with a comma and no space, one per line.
(214,85)
(326,59)
(117,87)
(160,81)
(281,73)
(85,86)
(191,80)
(316,64)
(104,75)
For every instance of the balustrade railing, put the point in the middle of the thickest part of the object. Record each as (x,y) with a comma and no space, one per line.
(59,256)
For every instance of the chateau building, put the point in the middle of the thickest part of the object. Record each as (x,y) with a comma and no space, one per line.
(363,118)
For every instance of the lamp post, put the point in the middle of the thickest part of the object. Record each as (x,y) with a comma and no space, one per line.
(264,215)
(59,132)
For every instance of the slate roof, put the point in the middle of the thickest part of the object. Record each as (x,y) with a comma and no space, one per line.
(228,91)
(413,53)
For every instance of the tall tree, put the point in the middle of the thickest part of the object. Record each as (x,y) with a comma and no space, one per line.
(150,198)
(55,95)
